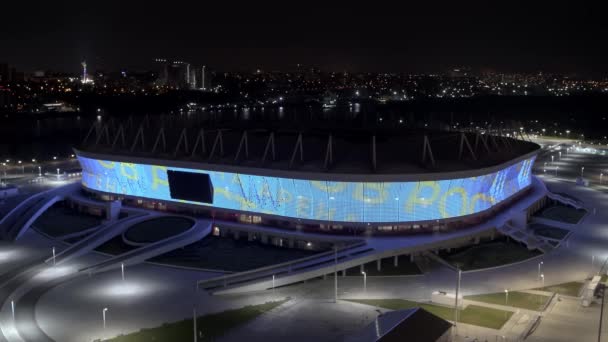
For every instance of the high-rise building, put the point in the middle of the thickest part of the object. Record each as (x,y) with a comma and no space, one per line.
(4,72)
(16,76)
(179,74)
(175,74)
(163,71)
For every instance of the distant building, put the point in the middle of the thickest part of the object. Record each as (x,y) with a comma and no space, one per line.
(182,75)
(175,74)
(4,72)
(5,99)
(16,76)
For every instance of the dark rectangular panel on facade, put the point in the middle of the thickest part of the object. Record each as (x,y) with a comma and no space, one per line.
(190,186)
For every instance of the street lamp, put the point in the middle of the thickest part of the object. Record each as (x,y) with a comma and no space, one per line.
(542,278)
(506,299)
(540,264)
(560,155)
(103,312)
(364,281)
(456,297)
(552,157)
(335,274)
(122,270)
(582,171)
(53,256)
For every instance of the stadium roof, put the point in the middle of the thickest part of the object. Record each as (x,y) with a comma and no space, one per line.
(299,148)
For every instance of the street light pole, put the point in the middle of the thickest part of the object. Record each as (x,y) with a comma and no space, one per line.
(122,270)
(364,281)
(539,266)
(456,297)
(582,171)
(53,256)
(335,274)
(194,325)
(13,308)
(103,312)
(542,278)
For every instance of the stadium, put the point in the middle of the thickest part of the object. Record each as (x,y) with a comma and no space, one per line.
(334,180)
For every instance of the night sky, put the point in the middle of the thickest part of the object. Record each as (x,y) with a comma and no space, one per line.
(374,36)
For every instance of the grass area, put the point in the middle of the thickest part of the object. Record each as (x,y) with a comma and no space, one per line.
(227,254)
(60,220)
(562,213)
(387,268)
(210,327)
(516,299)
(572,288)
(489,254)
(548,231)
(158,229)
(472,314)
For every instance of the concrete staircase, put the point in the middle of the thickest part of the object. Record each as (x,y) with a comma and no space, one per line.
(526,237)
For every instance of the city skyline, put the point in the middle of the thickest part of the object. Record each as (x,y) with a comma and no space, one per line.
(398,38)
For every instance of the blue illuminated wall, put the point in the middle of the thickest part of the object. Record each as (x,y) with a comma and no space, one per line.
(320,200)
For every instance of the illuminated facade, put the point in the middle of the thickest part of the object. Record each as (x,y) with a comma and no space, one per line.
(319,200)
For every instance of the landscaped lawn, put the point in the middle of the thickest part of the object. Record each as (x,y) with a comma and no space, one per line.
(516,299)
(59,220)
(472,314)
(158,229)
(489,254)
(387,268)
(567,289)
(563,213)
(548,231)
(210,327)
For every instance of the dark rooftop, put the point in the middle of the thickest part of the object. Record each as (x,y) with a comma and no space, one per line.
(305,149)
(414,324)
